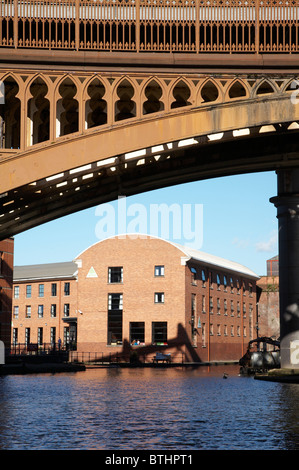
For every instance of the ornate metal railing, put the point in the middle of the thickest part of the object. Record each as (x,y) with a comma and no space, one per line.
(193,26)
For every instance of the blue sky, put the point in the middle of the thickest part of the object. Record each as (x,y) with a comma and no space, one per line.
(237,222)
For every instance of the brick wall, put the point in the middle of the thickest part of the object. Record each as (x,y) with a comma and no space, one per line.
(6,280)
(268,306)
(32,318)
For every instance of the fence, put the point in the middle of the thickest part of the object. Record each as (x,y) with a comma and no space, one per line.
(110,358)
(34,349)
(193,26)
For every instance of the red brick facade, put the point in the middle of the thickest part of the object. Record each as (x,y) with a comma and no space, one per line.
(143,295)
(6,280)
(268,306)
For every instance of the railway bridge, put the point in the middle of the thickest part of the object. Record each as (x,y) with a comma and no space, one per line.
(102,98)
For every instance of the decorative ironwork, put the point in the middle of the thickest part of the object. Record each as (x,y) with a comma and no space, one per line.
(187,26)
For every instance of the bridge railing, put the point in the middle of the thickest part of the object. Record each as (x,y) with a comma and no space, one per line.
(193,26)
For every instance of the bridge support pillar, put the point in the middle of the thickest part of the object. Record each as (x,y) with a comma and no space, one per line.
(287,204)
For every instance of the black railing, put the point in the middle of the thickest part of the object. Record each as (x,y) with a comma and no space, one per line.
(35,348)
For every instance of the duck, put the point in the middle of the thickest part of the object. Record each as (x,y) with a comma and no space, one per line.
(225,375)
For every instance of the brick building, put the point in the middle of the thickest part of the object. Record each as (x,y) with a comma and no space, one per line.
(138,294)
(44,296)
(6,280)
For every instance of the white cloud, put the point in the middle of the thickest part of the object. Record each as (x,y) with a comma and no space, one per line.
(240,243)
(269,245)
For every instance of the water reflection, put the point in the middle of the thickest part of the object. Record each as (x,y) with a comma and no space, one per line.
(148,409)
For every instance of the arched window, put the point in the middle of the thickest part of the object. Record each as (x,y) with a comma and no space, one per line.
(96,106)
(67,109)
(38,113)
(10,115)
(125,107)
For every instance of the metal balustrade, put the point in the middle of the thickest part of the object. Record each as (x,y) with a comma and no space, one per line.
(186,26)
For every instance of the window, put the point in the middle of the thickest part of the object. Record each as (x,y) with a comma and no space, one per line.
(41,290)
(16,312)
(203,334)
(225,307)
(193,276)
(250,310)
(218,282)
(115,318)
(250,289)
(66,288)
(218,330)
(218,306)
(115,275)
(16,292)
(54,289)
(211,304)
(40,336)
(159,297)
(159,270)
(231,285)
(28,311)
(53,310)
(66,310)
(28,291)
(27,336)
(40,311)
(193,304)
(136,333)
(115,302)
(203,304)
(244,309)
(203,278)
(225,282)
(53,334)
(159,332)
(232,308)
(15,336)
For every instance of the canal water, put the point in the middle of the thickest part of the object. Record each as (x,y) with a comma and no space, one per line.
(147,409)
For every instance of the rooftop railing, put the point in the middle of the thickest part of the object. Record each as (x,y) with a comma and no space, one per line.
(190,26)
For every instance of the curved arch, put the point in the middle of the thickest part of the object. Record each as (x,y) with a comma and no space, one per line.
(67,107)
(13,76)
(180,94)
(69,77)
(152,97)
(10,113)
(209,91)
(291,85)
(237,89)
(264,87)
(95,105)
(124,104)
(38,111)
(42,77)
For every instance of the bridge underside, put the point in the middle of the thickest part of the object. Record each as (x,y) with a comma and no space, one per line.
(177,162)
